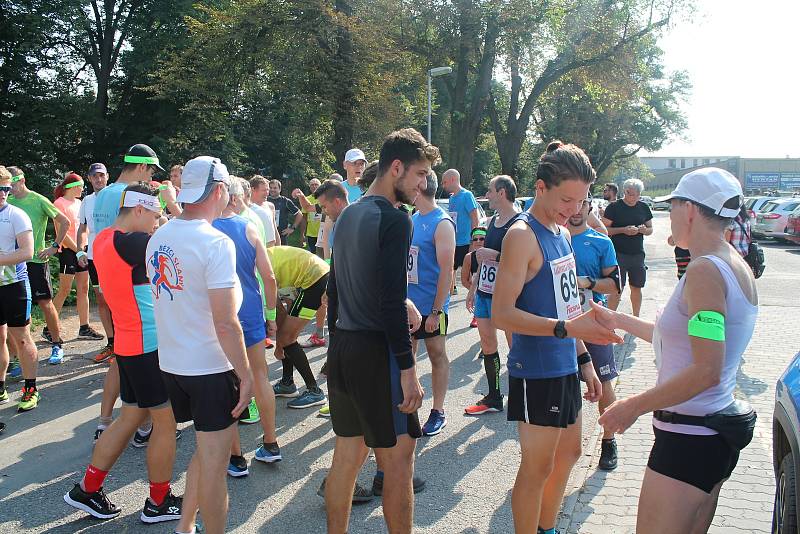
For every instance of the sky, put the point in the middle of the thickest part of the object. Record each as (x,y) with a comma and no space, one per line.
(742,60)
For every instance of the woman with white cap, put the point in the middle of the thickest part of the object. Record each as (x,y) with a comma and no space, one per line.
(698,338)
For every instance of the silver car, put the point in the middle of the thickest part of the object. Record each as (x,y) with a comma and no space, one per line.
(773,218)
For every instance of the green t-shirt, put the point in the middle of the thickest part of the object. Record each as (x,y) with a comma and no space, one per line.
(313,218)
(39,209)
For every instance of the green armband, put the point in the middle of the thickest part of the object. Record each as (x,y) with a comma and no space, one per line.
(272,313)
(708,325)
(328,261)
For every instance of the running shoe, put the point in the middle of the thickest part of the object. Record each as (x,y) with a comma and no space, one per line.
(141,440)
(95,504)
(14,369)
(487,404)
(87,332)
(324,369)
(269,453)
(310,397)
(98,431)
(282,389)
(313,341)
(56,354)
(168,510)
(104,354)
(325,411)
(237,467)
(269,343)
(360,493)
(2,427)
(29,400)
(252,414)
(436,422)
(608,455)
(4,396)
(474,323)
(377,484)
(46,335)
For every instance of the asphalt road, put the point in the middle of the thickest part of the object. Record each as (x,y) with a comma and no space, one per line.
(469,468)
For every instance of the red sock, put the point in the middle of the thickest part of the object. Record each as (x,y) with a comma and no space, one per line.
(158,490)
(93,479)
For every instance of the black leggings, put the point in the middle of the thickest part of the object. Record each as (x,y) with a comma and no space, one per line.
(294,357)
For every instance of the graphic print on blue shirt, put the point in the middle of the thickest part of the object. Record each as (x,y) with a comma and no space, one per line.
(423,267)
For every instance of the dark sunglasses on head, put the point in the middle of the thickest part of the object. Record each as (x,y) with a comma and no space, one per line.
(5,188)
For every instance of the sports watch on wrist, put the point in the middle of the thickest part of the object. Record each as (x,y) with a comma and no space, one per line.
(560,330)
(592,282)
(55,245)
(434,311)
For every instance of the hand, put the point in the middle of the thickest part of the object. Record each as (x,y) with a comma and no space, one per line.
(594,389)
(279,355)
(296,192)
(484,254)
(287,231)
(588,328)
(412,391)
(414,317)
(583,282)
(168,193)
(324,299)
(606,317)
(245,389)
(641,228)
(272,329)
(631,230)
(46,253)
(431,323)
(621,415)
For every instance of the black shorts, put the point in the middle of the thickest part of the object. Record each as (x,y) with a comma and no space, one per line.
(364,390)
(700,461)
(631,266)
(309,300)
(552,402)
(39,280)
(603,361)
(140,381)
(15,304)
(68,263)
(461,253)
(420,332)
(205,399)
(93,275)
(311,244)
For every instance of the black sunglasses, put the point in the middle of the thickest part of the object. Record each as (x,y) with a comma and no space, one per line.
(5,188)
(476,239)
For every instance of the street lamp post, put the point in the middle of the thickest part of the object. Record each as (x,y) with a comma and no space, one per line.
(432,73)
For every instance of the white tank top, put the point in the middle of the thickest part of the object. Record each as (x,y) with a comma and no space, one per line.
(674,353)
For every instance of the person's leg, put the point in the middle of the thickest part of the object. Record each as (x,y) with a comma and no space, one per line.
(51,319)
(26,351)
(440,369)
(568,450)
(82,296)
(636,299)
(190,497)
(287,338)
(110,394)
(161,450)
(115,438)
(349,455)
(105,314)
(670,506)
(607,399)
(213,450)
(64,287)
(397,464)
(538,445)
(4,357)
(320,321)
(707,510)
(491,358)
(265,397)
(488,336)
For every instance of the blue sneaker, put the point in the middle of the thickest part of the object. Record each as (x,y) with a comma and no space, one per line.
(309,398)
(14,369)
(269,453)
(237,467)
(436,422)
(56,355)
(282,389)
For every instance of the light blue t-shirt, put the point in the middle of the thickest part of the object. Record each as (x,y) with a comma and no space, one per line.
(593,253)
(354,192)
(106,207)
(460,208)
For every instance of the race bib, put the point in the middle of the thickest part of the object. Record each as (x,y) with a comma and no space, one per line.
(278,217)
(565,287)
(413,272)
(453,215)
(316,217)
(488,276)
(587,295)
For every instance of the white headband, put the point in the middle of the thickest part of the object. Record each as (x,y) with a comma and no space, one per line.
(131,199)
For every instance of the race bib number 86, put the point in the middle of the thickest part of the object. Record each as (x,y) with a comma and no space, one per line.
(565,287)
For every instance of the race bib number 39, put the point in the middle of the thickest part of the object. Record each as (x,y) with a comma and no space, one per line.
(488,276)
(413,272)
(565,287)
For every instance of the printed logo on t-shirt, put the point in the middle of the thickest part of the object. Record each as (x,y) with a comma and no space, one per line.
(167,273)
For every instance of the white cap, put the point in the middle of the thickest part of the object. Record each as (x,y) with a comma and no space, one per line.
(198,177)
(354,154)
(710,187)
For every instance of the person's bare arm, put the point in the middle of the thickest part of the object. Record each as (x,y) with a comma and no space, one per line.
(646,228)
(473,219)
(231,339)
(466,276)
(605,285)
(305,205)
(23,253)
(444,240)
(597,224)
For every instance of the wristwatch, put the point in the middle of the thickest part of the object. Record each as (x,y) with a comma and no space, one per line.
(592,282)
(55,245)
(560,330)
(434,311)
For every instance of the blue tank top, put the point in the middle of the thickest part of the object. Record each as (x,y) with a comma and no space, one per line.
(423,268)
(494,241)
(543,356)
(251,311)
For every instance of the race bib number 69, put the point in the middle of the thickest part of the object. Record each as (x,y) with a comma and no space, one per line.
(565,287)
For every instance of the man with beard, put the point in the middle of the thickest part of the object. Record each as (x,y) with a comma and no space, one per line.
(610,192)
(284,209)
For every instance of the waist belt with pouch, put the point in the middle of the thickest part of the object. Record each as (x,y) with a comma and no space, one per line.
(735,423)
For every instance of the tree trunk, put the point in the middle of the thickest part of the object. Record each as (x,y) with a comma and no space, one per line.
(344,111)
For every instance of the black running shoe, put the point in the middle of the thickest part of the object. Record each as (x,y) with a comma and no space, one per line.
(170,510)
(608,455)
(360,493)
(87,332)
(377,485)
(141,440)
(95,504)
(97,432)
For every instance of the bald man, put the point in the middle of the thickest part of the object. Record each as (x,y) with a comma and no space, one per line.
(463,209)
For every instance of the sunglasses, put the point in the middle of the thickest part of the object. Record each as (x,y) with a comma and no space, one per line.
(476,239)
(5,189)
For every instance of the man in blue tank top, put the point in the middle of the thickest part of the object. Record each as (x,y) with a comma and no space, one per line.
(598,276)
(430,256)
(537,297)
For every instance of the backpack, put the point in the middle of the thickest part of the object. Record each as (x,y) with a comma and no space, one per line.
(755,254)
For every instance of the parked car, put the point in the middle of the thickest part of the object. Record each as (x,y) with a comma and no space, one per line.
(793,227)
(785,449)
(647,200)
(754,204)
(661,206)
(772,221)
(444,203)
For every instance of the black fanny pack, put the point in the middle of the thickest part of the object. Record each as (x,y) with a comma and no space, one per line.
(735,423)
